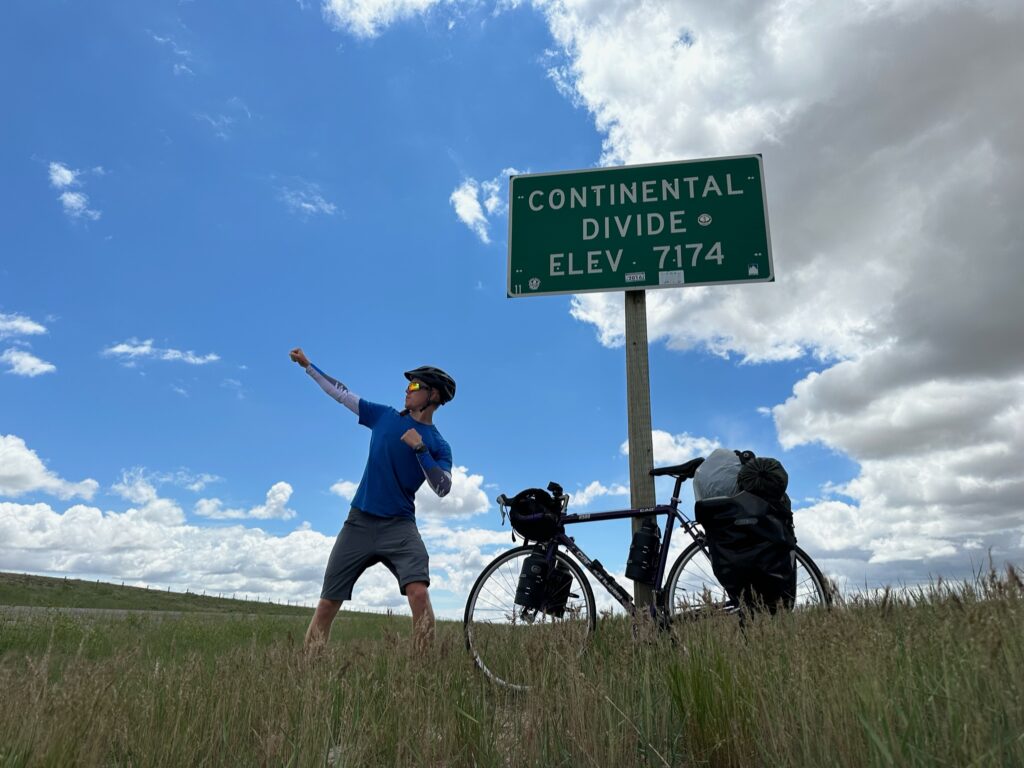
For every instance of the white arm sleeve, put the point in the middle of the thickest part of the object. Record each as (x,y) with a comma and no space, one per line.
(335,389)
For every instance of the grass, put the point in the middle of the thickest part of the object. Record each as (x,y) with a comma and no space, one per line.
(926,677)
(44,591)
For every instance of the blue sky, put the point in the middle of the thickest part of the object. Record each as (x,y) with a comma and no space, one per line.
(191,189)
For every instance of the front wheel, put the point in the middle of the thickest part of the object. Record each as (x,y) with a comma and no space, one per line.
(513,644)
(692,586)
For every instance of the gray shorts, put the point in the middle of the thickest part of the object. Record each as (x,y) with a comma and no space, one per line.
(366,540)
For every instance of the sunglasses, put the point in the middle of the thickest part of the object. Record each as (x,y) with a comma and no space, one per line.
(416,386)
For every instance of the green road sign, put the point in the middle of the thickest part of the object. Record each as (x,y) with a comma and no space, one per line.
(639,227)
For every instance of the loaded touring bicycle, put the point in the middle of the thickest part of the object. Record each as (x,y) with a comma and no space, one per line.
(536,599)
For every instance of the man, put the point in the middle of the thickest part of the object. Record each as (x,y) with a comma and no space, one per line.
(405,449)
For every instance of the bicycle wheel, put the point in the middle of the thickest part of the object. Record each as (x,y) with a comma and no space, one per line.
(512,644)
(692,586)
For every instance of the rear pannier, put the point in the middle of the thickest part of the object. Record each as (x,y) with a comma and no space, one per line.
(749,528)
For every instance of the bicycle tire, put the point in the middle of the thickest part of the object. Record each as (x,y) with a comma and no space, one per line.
(508,642)
(701,591)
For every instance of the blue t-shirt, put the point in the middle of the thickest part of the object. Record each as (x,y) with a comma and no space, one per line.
(393,473)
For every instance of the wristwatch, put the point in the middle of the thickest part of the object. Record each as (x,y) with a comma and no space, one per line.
(421,448)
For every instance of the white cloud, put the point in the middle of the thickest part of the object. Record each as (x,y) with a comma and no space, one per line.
(129,351)
(274,508)
(897,243)
(306,200)
(18,325)
(477,203)
(148,545)
(151,542)
(22,471)
(183,478)
(345,488)
(675,449)
(75,204)
(365,18)
(465,499)
(24,363)
(61,176)
(584,496)
(466,202)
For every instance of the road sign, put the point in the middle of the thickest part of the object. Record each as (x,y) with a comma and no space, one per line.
(639,227)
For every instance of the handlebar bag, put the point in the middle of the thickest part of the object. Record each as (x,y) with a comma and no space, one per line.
(534,514)
(752,549)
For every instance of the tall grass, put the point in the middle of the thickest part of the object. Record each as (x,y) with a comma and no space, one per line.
(914,677)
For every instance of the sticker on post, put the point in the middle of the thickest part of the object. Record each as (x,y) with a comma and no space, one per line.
(636,277)
(671,277)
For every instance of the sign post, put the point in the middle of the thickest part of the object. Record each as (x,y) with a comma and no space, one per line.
(633,229)
(638,419)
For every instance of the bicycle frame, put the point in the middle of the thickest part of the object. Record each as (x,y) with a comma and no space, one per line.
(605,579)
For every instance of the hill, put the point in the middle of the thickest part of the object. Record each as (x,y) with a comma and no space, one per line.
(44,591)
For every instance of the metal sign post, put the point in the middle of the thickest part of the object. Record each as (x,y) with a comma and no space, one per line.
(632,229)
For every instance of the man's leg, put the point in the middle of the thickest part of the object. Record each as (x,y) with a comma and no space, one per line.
(422,615)
(320,626)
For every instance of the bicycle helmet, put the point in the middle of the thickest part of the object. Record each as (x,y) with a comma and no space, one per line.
(434,378)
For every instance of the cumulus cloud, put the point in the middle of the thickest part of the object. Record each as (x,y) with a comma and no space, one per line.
(894,175)
(478,203)
(365,18)
(583,496)
(61,176)
(24,363)
(149,545)
(465,499)
(134,349)
(152,543)
(675,449)
(22,471)
(345,488)
(19,325)
(273,508)
(466,202)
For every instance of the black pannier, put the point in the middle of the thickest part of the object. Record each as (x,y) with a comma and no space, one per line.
(752,547)
(542,588)
(534,514)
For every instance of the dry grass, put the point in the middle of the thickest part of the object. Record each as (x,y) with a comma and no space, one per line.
(927,677)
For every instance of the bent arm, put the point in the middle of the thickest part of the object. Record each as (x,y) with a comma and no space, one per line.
(335,388)
(438,478)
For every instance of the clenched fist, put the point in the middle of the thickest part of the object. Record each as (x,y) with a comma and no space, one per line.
(298,356)
(412,438)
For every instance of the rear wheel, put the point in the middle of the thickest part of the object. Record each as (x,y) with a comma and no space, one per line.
(512,644)
(692,586)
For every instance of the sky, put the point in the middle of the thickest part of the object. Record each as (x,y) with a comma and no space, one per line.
(191,189)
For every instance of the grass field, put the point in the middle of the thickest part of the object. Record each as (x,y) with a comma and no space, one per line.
(914,678)
(20,589)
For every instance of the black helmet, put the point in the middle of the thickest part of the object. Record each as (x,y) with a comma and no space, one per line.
(434,378)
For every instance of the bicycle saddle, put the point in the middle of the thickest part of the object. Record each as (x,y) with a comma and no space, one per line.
(684,471)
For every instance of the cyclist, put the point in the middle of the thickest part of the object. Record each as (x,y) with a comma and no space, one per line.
(405,449)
